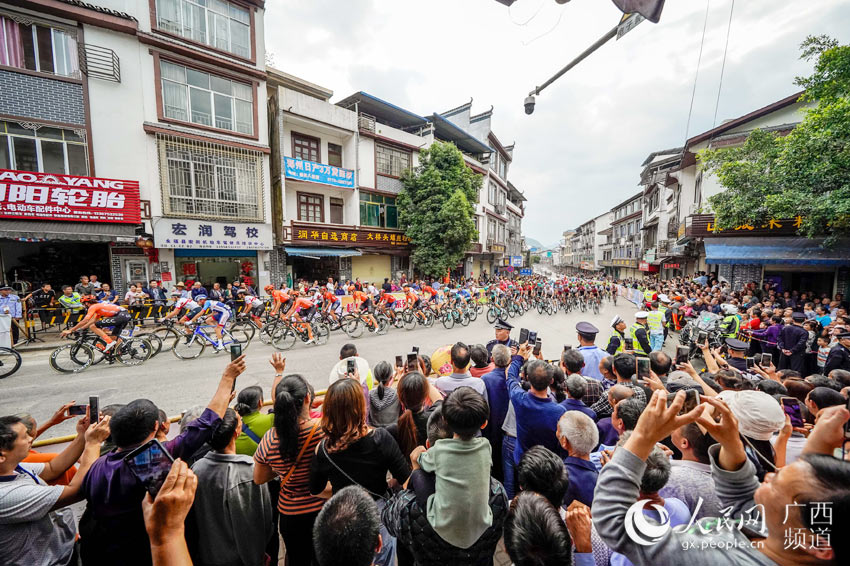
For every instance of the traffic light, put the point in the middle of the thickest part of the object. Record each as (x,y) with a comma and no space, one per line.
(649,9)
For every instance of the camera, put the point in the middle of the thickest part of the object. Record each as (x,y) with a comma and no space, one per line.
(529,104)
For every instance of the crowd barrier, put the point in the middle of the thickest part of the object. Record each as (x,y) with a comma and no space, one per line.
(632,295)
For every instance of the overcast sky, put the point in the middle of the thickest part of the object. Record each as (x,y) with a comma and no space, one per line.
(579,154)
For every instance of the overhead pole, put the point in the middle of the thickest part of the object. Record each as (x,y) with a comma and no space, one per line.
(611,34)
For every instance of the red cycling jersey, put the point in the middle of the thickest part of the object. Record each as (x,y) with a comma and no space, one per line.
(329,297)
(387,298)
(410,297)
(102,310)
(281,296)
(302,303)
(429,290)
(360,296)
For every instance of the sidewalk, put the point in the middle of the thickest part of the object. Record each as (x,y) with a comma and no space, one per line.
(50,340)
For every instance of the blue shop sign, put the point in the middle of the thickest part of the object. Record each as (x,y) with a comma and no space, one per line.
(303,170)
(526,271)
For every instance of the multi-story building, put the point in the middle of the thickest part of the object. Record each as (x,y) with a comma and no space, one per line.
(584,249)
(625,231)
(516,211)
(566,250)
(168,95)
(603,245)
(660,220)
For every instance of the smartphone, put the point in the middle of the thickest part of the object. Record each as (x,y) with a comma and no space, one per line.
(766,360)
(235,351)
(94,409)
(523,335)
(791,406)
(682,353)
(702,336)
(398,361)
(567,347)
(532,337)
(630,343)
(691,400)
(77,410)
(538,344)
(150,463)
(412,361)
(415,350)
(642,367)
(751,363)
(352,365)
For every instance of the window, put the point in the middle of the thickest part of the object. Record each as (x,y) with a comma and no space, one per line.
(216,23)
(38,48)
(378,210)
(206,180)
(336,210)
(391,161)
(310,207)
(492,193)
(193,96)
(503,168)
(494,161)
(305,147)
(46,150)
(334,155)
(698,189)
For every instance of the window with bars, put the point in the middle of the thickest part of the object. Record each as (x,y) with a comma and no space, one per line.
(46,150)
(205,180)
(216,23)
(201,98)
(391,161)
(378,210)
(310,207)
(38,47)
(305,147)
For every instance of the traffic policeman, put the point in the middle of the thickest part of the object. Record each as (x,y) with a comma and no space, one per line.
(503,336)
(592,353)
(617,341)
(792,343)
(839,355)
(731,323)
(638,334)
(10,304)
(737,350)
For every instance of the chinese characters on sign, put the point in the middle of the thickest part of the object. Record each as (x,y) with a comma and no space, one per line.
(202,234)
(303,170)
(355,237)
(704,225)
(42,196)
(516,261)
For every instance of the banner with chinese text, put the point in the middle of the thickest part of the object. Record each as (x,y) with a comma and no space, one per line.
(45,196)
(208,235)
(304,170)
(353,237)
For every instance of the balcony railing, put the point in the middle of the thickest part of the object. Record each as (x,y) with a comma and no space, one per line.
(99,62)
(366,122)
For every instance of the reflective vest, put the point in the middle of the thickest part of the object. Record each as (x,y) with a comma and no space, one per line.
(663,310)
(648,295)
(655,319)
(633,335)
(622,347)
(731,324)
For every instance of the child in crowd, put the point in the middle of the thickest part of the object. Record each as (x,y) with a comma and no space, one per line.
(823,352)
(459,510)
(384,408)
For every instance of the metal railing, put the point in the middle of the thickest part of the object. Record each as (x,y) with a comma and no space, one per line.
(99,62)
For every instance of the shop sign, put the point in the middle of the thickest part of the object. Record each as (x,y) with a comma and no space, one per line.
(509,268)
(208,235)
(516,260)
(303,170)
(646,266)
(704,225)
(166,276)
(526,271)
(44,196)
(353,237)
(672,266)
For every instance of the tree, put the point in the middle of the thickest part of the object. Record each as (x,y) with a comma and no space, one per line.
(807,172)
(436,210)
(535,259)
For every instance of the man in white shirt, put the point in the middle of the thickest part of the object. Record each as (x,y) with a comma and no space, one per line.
(460,376)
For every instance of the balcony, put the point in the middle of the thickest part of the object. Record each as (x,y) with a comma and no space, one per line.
(310,171)
(494,247)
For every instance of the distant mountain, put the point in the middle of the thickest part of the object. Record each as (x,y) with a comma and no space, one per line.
(532,243)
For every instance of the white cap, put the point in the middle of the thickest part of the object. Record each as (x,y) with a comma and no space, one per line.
(640,314)
(664,298)
(616,320)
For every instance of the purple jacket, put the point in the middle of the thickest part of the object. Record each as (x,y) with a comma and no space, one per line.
(769,334)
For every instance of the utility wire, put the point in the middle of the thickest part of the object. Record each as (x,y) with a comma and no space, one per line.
(696,75)
(723,66)
(526,22)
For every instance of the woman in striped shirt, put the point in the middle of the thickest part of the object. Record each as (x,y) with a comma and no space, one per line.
(286,451)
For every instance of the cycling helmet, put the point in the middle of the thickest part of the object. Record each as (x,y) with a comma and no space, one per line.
(200,298)
(729,309)
(176,294)
(88,299)
(268,288)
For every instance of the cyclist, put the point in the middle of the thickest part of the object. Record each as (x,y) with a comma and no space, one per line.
(100,315)
(302,318)
(253,306)
(332,304)
(217,313)
(181,303)
(363,301)
(281,300)
(386,304)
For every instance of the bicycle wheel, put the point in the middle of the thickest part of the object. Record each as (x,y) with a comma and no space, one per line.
(189,347)
(430,317)
(268,331)
(472,313)
(72,358)
(491,315)
(322,332)
(353,328)
(156,341)
(284,339)
(135,351)
(243,329)
(448,320)
(463,317)
(168,336)
(383,323)
(10,361)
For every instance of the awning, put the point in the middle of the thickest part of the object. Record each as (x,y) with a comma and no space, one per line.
(38,230)
(759,251)
(314,253)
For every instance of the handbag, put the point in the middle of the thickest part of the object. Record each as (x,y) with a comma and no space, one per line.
(300,454)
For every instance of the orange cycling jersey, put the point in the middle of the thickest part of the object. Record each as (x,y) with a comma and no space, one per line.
(410,297)
(429,290)
(329,297)
(360,296)
(302,303)
(102,310)
(281,296)
(387,298)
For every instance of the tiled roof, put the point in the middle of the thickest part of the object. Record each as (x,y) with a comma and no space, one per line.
(101,9)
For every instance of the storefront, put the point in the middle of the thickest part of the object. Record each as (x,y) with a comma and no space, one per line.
(212,252)
(55,228)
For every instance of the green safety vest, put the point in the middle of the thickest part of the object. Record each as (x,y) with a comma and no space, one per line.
(655,319)
(633,335)
(733,324)
(72,302)
(648,295)
(622,347)
(663,310)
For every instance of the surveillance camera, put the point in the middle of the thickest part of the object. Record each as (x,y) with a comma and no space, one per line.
(562,1)
(529,104)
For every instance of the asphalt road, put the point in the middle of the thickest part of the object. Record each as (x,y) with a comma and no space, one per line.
(175,385)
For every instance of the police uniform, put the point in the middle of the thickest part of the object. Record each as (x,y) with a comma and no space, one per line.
(639,335)
(592,354)
(510,343)
(617,341)
(11,305)
(839,356)
(793,337)
(739,364)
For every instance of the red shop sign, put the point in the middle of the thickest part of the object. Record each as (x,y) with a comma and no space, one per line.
(44,196)
(672,266)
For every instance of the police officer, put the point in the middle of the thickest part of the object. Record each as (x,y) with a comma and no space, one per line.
(11,305)
(666,312)
(839,355)
(638,332)
(731,323)
(617,341)
(592,353)
(655,321)
(792,343)
(737,350)
(503,336)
